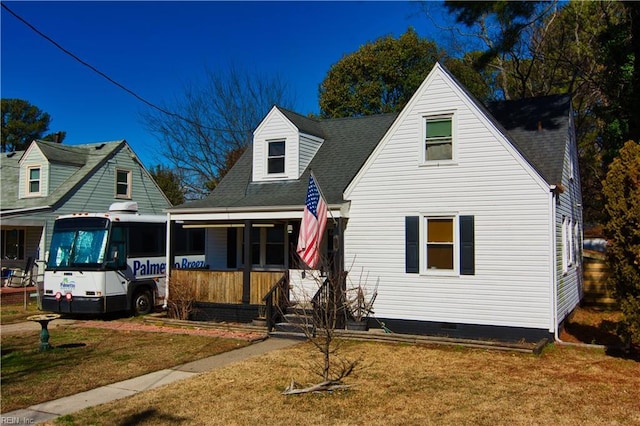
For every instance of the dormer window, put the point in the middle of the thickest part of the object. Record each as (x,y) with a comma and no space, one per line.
(33,184)
(275,158)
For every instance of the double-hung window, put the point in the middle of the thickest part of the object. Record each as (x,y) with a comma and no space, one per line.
(440,243)
(123,183)
(438,138)
(33,180)
(275,157)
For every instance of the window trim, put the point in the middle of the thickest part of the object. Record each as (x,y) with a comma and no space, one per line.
(129,173)
(455,219)
(423,140)
(268,157)
(28,192)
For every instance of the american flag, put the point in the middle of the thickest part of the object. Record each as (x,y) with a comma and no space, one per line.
(314,221)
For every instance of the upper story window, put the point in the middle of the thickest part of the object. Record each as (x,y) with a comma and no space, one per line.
(438,138)
(34,180)
(275,157)
(123,183)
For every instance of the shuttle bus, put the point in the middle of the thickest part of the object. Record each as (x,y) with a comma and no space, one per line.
(110,262)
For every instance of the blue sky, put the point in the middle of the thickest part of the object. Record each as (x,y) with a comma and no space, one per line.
(154,48)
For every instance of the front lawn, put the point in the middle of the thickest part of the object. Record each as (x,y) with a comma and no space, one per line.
(86,358)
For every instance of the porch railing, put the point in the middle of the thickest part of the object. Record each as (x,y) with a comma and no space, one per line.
(224,286)
(328,303)
(277,301)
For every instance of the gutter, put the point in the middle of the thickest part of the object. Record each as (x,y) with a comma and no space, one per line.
(24,210)
(249,209)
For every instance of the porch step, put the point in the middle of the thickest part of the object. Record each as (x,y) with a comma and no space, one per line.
(298,320)
(288,335)
(294,327)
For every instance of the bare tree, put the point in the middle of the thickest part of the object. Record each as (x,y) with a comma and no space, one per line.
(212,123)
(317,316)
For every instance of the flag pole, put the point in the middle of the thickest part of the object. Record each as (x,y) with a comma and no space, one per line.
(335,222)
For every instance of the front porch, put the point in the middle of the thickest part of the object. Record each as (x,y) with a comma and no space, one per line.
(250,265)
(222,296)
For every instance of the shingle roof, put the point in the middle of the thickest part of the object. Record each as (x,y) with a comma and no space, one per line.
(87,157)
(538,128)
(349,142)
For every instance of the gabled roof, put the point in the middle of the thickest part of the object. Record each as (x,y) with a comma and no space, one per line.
(87,158)
(537,127)
(304,124)
(71,154)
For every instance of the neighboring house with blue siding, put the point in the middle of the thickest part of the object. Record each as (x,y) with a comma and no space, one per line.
(467,216)
(50,179)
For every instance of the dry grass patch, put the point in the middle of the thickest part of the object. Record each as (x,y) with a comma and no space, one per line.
(401,384)
(86,358)
(15,312)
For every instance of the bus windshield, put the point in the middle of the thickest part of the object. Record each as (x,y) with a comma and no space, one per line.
(78,243)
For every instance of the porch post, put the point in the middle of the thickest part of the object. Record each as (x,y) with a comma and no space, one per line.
(246,272)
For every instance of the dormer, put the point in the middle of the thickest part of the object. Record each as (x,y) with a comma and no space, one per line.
(34,170)
(44,166)
(283,145)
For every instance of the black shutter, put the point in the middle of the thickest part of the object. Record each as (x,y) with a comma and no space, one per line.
(467,246)
(412,249)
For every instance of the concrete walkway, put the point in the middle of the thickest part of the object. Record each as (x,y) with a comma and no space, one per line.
(50,410)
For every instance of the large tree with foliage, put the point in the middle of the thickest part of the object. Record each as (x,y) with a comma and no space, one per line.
(169,183)
(211,124)
(622,228)
(381,76)
(22,123)
(582,48)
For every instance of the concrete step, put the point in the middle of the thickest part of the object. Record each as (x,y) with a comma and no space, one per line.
(288,335)
(293,328)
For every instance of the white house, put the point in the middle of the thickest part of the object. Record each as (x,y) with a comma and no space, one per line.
(467,216)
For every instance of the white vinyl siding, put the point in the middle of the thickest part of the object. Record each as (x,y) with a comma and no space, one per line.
(491,181)
(569,207)
(275,127)
(309,145)
(216,248)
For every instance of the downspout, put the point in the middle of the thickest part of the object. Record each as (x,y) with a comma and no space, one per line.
(554,264)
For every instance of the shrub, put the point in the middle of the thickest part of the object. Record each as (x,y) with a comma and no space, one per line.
(622,195)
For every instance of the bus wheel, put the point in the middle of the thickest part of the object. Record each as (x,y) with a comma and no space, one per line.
(142,302)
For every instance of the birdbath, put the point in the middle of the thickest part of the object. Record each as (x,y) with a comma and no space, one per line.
(44,320)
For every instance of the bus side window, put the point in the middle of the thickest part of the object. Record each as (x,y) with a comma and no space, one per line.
(117,253)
